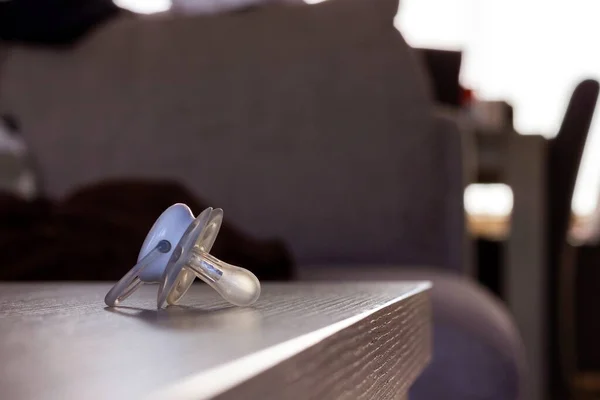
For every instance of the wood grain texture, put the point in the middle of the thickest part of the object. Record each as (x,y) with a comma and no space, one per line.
(310,340)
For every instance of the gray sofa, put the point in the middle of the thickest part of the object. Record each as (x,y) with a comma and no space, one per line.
(309,123)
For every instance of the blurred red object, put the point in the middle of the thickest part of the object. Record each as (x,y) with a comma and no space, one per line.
(467,97)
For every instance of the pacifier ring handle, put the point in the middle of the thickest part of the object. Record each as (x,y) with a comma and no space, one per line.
(131,281)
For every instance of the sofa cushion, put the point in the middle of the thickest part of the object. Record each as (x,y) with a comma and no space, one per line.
(292,119)
(477,352)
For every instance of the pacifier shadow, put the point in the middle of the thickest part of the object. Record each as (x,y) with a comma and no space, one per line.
(186,317)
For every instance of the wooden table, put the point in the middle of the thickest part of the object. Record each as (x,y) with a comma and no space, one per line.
(299,341)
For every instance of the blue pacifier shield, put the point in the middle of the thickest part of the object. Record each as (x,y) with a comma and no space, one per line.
(170,226)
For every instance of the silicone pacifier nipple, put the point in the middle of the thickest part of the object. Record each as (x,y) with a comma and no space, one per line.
(191,259)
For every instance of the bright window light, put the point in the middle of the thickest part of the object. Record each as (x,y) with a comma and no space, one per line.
(144,6)
(422,21)
(530,53)
(493,200)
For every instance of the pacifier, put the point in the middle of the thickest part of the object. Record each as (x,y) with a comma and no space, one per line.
(176,251)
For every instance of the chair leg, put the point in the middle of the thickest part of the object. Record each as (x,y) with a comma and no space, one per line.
(566,328)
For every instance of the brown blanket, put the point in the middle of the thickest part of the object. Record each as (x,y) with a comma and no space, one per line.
(96,234)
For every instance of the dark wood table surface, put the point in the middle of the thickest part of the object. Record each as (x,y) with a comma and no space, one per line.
(299,341)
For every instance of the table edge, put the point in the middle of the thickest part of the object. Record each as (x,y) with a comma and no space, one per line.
(220,379)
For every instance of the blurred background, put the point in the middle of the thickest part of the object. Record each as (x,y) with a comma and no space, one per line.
(533,66)
(528,53)
(517,81)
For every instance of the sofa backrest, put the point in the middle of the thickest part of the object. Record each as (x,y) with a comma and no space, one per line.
(309,123)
